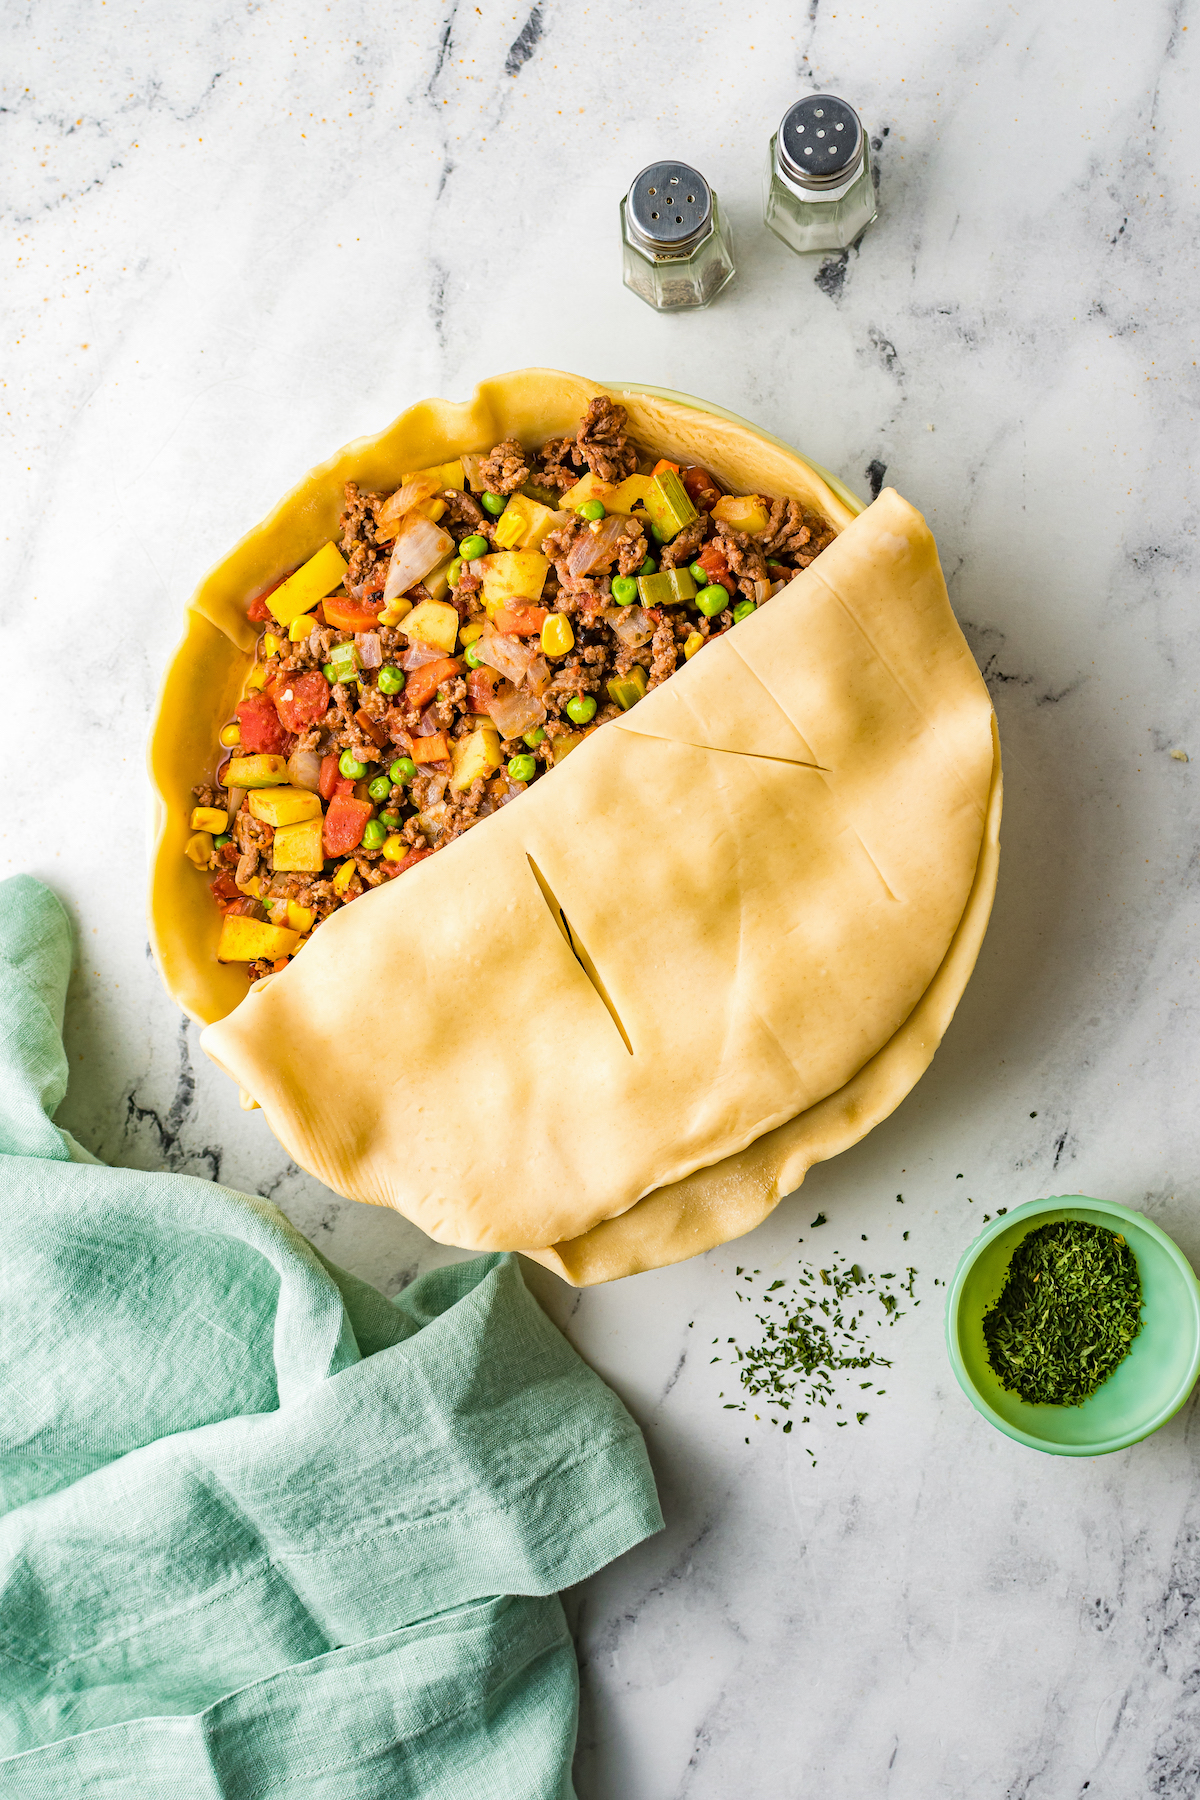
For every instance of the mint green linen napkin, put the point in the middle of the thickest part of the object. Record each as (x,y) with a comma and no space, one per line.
(263,1532)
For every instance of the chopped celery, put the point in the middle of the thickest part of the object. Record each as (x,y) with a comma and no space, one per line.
(343,659)
(667,588)
(667,503)
(626,690)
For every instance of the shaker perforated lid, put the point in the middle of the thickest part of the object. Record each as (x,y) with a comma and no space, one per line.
(820,141)
(669,205)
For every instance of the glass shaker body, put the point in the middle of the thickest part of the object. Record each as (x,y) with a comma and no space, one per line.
(819,191)
(676,251)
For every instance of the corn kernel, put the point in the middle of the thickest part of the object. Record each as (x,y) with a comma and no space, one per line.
(300,628)
(468,633)
(299,917)
(199,849)
(231,735)
(251,888)
(209,818)
(270,644)
(395,610)
(395,848)
(246,1101)
(342,879)
(256,679)
(557,636)
(695,642)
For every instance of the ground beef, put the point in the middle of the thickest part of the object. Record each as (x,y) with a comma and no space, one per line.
(746,561)
(558,464)
(665,653)
(357,526)
(464,517)
(683,547)
(204,795)
(505,470)
(603,443)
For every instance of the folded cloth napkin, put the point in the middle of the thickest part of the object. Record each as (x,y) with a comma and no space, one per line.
(263,1532)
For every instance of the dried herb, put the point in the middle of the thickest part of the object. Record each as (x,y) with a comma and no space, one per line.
(820,1328)
(1067,1315)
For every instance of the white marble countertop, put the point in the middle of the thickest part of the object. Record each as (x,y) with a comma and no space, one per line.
(237,237)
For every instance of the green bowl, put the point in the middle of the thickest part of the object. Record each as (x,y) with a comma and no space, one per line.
(1149,1386)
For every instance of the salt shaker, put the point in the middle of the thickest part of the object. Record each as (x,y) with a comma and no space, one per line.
(820,194)
(676,251)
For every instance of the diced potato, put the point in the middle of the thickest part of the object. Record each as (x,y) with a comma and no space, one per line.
(301,591)
(246,940)
(744,512)
(512,575)
(255,772)
(433,622)
(632,492)
(437,581)
(473,757)
(568,741)
(524,523)
(199,849)
(284,805)
(299,847)
(589,487)
(446,475)
(430,509)
(209,818)
(300,918)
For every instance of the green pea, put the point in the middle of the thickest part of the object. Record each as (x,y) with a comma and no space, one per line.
(391,819)
(391,679)
(381,788)
(374,833)
(657,533)
(226,837)
(699,574)
(471,656)
(581,708)
(329,672)
(592,509)
(649,567)
(743,609)
(522,768)
(494,503)
(471,547)
(624,590)
(402,770)
(712,600)
(350,767)
(534,738)
(454,571)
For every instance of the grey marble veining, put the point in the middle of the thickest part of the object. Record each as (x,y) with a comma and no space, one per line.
(236,237)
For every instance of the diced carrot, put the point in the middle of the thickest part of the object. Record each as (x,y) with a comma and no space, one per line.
(345,613)
(519,621)
(329,777)
(373,729)
(424,682)
(345,822)
(662,464)
(431,749)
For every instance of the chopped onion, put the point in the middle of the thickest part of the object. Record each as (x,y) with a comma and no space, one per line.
(537,675)
(233,803)
(632,624)
(304,770)
(507,654)
(433,820)
(596,548)
(370,650)
(427,724)
(413,493)
(418,654)
(420,545)
(515,711)
(762,591)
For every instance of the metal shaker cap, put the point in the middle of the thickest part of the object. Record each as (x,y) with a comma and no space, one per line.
(669,205)
(820,141)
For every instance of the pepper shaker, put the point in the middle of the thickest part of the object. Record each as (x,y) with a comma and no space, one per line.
(676,252)
(820,192)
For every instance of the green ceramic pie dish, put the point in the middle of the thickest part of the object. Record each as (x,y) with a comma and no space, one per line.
(1149,1386)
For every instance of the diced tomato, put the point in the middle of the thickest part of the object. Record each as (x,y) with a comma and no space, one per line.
(519,621)
(345,613)
(406,862)
(662,464)
(345,823)
(308,702)
(376,581)
(712,561)
(702,490)
(424,682)
(224,889)
(258,610)
(431,749)
(262,729)
(328,783)
(481,689)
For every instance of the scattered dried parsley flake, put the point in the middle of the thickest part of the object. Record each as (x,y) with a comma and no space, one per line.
(817,1330)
